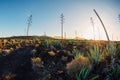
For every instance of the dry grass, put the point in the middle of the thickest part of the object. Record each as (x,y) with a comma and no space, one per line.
(36,63)
(33,51)
(36,60)
(7,76)
(51,53)
(7,51)
(76,64)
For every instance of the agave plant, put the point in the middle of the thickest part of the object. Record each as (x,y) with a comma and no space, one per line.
(56,43)
(112,49)
(95,55)
(83,74)
(76,53)
(46,43)
(114,73)
(111,46)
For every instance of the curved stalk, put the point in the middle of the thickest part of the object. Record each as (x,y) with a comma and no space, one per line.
(102,25)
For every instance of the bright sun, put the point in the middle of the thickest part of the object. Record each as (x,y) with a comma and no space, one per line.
(97,34)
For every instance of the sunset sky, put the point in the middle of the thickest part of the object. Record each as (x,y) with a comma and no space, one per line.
(46,17)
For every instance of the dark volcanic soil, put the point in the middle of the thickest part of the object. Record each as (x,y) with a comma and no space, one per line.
(18,65)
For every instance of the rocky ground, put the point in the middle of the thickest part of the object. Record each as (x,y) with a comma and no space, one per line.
(53,62)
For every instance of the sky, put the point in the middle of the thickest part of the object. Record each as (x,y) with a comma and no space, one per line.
(46,18)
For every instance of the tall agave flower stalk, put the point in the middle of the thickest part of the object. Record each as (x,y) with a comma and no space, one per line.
(111,46)
(29,23)
(102,25)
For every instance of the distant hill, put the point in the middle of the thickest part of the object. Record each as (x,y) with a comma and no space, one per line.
(28,37)
(41,37)
(78,38)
